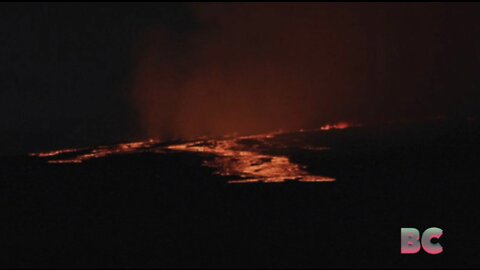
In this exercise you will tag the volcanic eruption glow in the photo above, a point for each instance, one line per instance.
(85, 154)
(54, 153)
(341, 125)
(234, 157)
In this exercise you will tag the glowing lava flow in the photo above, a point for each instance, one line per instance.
(341, 125)
(54, 153)
(230, 159)
(82, 155)
(238, 157)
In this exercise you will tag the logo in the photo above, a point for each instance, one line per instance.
(412, 241)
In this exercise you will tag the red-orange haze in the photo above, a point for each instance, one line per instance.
(251, 68)
(248, 69)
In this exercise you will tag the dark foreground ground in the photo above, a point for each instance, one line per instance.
(165, 210)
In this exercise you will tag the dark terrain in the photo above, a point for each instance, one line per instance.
(166, 210)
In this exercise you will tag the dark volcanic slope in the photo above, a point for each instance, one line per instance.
(159, 209)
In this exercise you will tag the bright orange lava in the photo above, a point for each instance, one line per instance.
(54, 153)
(341, 125)
(102, 151)
(230, 157)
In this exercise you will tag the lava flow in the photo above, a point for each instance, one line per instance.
(232, 159)
(245, 159)
(85, 154)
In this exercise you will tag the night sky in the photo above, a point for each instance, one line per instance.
(82, 74)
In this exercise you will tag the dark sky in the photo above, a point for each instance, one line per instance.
(67, 71)
(80, 74)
